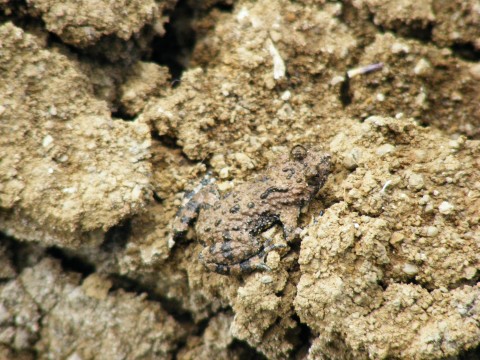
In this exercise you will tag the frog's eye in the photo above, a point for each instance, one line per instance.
(298, 153)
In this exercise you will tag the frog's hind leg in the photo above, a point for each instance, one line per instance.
(204, 195)
(268, 246)
(245, 267)
(256, 262)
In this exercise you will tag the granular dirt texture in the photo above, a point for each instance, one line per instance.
(47, 310)
(69, 171)
(83, 23)
(103, 140)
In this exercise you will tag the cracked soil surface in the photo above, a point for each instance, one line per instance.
(110, 111)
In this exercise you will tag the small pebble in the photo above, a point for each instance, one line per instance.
(422, 67)
(266, 279)
(410, 269)
(446, 208)
(224, 172)
(47, 140)
(429, 208)
(385, 149)
(286, 95)
(475, 71)
(225, 185)
(396, 237)
(470, 272)
(399, 48)
(416, 181)
(431, 231)
(424, 200)
(52, 110)
(454, 144)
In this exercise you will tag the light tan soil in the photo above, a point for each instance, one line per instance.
(387, 264)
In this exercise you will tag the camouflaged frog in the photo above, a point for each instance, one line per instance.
(229, 226)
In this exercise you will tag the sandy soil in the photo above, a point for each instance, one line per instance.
(110, 112)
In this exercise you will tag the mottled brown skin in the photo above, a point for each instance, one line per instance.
(229, 226)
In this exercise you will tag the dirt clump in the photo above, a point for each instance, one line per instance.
(69, 172)
(101, 144)
(84, 23)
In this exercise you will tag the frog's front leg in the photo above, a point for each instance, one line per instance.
(204, 195)
(289, 219)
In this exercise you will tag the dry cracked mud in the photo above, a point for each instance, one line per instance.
(110, 112)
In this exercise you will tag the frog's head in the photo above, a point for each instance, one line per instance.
(316, 163)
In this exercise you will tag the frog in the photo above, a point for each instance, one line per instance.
(229, 226)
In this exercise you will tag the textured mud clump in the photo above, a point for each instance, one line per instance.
(396, 288)
(101, 140)
(449, 22)
(48, 311)
(84, 23)
(417, 80)
(68, 171)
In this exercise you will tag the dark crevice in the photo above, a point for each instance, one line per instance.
(349, 11)
(466, 52)
(383, 284)
(175, 47)
(16, 12)
(54, 41)
(240, 348)
(245, 351)
(422, 33)
(202, 325)
(168, 141)
(346, 96)
(226, 7)
(122, 115)
(423, 123)
(345, 91)
(472, 354)
(294, 249)
(465, 282)
(71, 262)
(400, 280)
(116, 237)
(21, 254)
(157, 198)
(304, 335)
(337, 348)
(413, 31)
(172, 307)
